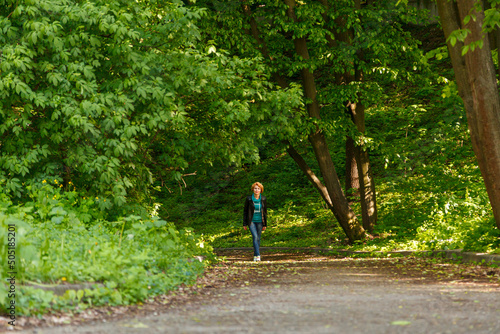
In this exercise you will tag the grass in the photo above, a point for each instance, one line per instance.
(58, 239)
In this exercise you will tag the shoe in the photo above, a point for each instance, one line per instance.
(256, 258)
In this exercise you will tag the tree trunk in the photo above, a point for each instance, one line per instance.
(476, 81)
(351, 171)
(366, 182)
(367, 194)
(343, 212)
(314, 180)
(309, 174)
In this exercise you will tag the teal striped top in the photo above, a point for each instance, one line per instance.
(257, 214)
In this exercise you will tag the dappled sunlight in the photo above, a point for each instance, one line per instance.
(131, 133)
(359, 274)
(384, 270)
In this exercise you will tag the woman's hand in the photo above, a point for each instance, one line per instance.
(245, 227)
(263, 228)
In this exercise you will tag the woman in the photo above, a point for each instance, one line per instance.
(255, 216)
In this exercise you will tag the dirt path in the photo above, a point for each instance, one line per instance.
(316, 294)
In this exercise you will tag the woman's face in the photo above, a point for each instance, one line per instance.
(256, 190)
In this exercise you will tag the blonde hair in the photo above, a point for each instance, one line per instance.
(258, 184)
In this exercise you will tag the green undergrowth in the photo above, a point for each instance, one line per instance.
(213, 206)
(416, 212)
(430, 193)
(61, 238)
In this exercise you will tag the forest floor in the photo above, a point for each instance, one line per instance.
(308, 293)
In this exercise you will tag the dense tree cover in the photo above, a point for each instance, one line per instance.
(109, 95)
(430, 188)
(338, 51)
(102, 100)
(98, 99)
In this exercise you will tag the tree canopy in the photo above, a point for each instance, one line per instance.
(110, 95)
(339, 52)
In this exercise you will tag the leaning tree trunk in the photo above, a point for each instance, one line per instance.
(331, 192)
(342, 211)
(367, 193)
(476, 81)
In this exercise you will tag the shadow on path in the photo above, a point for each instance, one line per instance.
(310, 293)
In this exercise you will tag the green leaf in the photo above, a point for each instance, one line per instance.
(401, 323)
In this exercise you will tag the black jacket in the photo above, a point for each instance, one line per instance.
(250, 208)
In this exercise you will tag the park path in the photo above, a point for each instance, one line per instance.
(316, 294)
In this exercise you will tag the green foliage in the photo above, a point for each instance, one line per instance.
(490, 22)
(338, 52)
(105, 103)
(111, 95)
(430, 191)
(127, 260)
(377, 48)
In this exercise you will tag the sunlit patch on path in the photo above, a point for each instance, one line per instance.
(296, 292)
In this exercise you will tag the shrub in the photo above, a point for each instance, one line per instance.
(61, 239)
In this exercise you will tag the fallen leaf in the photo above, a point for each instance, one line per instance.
(401, 323)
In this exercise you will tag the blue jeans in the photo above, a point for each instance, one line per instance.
(256, 229)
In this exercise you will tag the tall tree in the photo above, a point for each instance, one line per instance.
(359, 176)
(341, 208)
(465, 26)
(327, 47)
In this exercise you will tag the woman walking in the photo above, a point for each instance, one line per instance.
(255, 216)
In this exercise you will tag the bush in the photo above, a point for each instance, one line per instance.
(62, 237)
